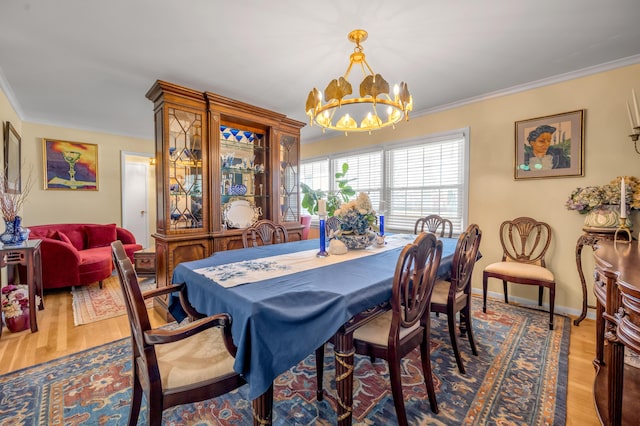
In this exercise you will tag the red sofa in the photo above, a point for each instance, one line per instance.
(79, 254)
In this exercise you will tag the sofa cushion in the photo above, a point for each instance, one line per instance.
(76, 237)
(61, 236)
(100, 235)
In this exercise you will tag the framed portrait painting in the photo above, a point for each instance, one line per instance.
(551, 146)
(70, 165)
(12, 160)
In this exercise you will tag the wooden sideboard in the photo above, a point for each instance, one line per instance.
(617, 289)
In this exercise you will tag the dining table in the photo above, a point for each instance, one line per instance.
(285, 302)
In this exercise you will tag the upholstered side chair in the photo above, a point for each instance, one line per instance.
(172, 367)
(525, 242)
(264, 232)
(434, 223)
(453, 296)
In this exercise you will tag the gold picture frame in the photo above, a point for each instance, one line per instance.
(12, 160)
(550, 146)
(70, 165)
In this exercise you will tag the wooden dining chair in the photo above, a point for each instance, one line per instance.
(174, 366)
(436, 224)
(525, 242)
(453, 296)
(264, 232)
(394, 334)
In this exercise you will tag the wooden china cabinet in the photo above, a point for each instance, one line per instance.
(221, 165)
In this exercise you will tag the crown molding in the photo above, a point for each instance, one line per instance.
(595, 69)
(8, 91)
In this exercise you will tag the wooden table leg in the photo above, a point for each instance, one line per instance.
(344, 352)
(33, 318)
(263, 408)
(582, 241)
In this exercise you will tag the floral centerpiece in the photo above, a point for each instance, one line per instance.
(601, 204)
(11, 202)
(357, 220)
(15, 307)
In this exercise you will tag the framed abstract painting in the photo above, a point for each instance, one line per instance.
(70, 165)
(551, 146)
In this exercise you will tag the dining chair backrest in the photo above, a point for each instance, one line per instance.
(525, 240)
(464, 259)
(136, 307)
(413, 281)
(436, 224)
(264, 232)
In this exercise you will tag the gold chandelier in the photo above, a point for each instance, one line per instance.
(374, 92)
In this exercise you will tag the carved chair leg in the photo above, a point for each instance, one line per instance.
(395, 376)
(136, 400)
(540, 289)
(425, 357)
(506, 295)
(100, 284)
(451, 319)
(484, 292)
(552, 298)
(465, 316)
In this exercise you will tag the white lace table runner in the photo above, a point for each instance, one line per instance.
(250, 271)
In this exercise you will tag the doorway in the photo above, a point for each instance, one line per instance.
(138, 194)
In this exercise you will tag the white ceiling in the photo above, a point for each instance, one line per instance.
(88, 64)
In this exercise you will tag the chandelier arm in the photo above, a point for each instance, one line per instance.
(368, 67)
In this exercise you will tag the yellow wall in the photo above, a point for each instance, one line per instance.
(68, 206)
(495, 195)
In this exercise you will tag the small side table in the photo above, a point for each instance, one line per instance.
(28, 255)
(145, 262)
(590, 237)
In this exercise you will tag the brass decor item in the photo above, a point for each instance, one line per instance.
(374, 92)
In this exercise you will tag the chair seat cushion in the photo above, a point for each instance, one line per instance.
(377, 330)
(440, 293)
(196, 359)
(521, 270)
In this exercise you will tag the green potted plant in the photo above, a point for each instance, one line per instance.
(334, 199)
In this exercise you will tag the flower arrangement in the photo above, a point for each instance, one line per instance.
(11, 201)
(585, 200)
(15, 299)
(357, 216)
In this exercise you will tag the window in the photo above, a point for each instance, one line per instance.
(415, 178)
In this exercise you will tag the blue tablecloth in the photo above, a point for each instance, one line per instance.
(278, 322)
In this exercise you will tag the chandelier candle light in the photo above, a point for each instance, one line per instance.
(374, 91)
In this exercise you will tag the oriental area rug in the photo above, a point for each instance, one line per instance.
(518, 378)
(92, 303)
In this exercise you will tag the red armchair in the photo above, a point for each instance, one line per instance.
(79, 254)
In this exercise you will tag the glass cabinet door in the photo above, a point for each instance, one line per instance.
(243, 185)
(185, 170)
(289, 179)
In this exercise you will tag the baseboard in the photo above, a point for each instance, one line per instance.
(534, 304)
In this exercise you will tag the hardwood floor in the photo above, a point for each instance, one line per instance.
(57, 336)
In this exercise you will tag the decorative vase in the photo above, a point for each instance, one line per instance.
(19, 323)
(358, 241)
(13, 233)
(607, 216)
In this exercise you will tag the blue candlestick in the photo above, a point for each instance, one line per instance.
(323, 250)
(381, 225)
